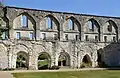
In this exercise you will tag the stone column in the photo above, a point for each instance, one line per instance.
(37, 30)
(11, 30)
(61, 28)
(32, 60)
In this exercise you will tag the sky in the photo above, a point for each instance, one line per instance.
(92, 7)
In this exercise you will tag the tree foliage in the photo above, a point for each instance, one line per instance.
(1, 3)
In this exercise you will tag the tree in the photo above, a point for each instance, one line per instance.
(1, 3)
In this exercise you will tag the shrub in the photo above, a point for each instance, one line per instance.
(85, 65)
(54, 67)
(8, 69)
(43, 67)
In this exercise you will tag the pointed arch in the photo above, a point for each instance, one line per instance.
(86, 61)
(26, 18)
(52, 20)
(64, 59)
(93, 25)
(110, 28)
(112, 23)
(23, 21)
(74, 24)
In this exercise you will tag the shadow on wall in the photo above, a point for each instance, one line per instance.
(109, 56)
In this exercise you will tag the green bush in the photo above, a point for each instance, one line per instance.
(54, 67)
(8, 69)
(43, 67)
(85, 65)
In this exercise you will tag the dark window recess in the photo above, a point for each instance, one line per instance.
(77, 37)
(109, 28)
(105, 38)
(86, 38)
(55, 37)
(44, 36)
(96, 38)
(66, 36)
(114, 39)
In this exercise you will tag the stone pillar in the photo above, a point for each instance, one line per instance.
(37, 30)
(32, 61)
(78, 60)
(11, 31)
(56, 59)
(101, 34)
(61, 29)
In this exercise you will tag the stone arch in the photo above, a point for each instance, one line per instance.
(27, 20)
(75, 23)
(44, 60)
(64, 59)
(18, 47)
(111, 22)
(110, 28)
(86, 61)
(22, 60)
(92, 26)
(55, 23)
(15, 50)
(50, 20)
(30, 19)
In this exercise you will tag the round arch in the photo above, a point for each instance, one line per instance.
(44, 60)
(64, 59)
(22, 60)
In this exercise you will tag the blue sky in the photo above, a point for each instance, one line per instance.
(94, 7)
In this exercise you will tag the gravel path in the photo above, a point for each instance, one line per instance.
(4, 74)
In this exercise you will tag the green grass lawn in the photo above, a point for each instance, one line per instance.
(73, 74)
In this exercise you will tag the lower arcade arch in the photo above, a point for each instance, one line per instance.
(86, 61)
(22, 61)
(64, 59)
(44, 61)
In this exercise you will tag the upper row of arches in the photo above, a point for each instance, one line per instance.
(49, 22)
(71, 23)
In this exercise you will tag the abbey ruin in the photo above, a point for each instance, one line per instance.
(67, 39)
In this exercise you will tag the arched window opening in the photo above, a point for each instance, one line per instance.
(24, 21)
(49, 22)
(71, 24)
(93, 25)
